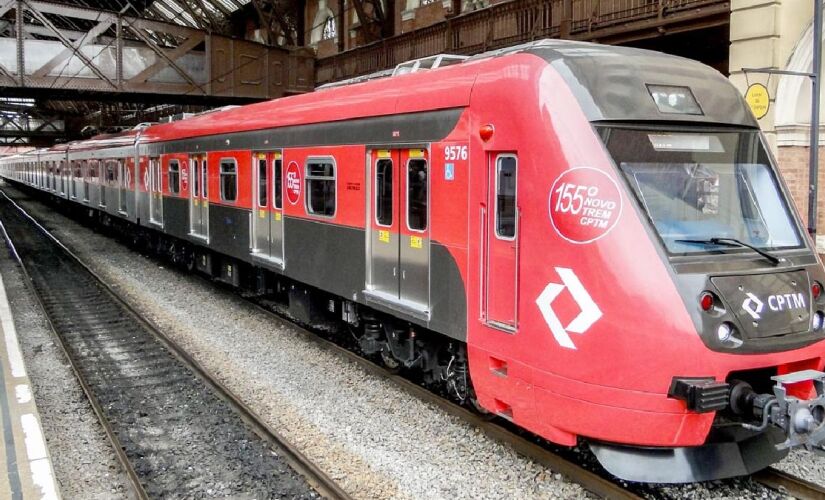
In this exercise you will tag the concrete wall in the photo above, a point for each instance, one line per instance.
(777, 34)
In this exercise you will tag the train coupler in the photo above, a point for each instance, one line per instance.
(801, 420)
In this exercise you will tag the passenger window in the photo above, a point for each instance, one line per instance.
(506, 197)
(320, 187)
(277, 187)
(383, 192)
(174, 176)
(417, 194)
(263, 190)
(229, 180)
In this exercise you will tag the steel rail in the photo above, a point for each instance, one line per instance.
(797, 487)
(316, 478)
(117, 446)
(590, 481)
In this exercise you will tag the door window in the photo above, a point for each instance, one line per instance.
(383, 192)
(505, 209)
(196, 178)
(417, 194)
(205, 180)
(276, 182)
(174, 176)
(263, 190)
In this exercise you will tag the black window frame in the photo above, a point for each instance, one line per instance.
(408, 196)
(278, 182)
(497, 208)
(262, 182)
(173, 176)
(224, 162)
(309, 179)
(380, 203)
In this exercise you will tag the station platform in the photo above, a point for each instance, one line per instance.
(25, 466)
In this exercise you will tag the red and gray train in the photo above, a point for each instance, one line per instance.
(592, 242)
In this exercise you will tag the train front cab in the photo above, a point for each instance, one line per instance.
(644, 186)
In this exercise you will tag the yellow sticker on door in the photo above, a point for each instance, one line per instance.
(416, 242)
(277, 215)
(261, 213)
(383, 236)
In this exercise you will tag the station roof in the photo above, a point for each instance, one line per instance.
(191, 13)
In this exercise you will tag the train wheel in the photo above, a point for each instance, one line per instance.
(189, 259)
(476, 406)
(389, 360)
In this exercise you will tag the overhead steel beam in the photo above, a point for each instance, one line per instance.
(88, 38)
(169, 57)
(126, 55)
(76, 52)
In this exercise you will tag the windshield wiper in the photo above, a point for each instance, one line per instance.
(733, 242)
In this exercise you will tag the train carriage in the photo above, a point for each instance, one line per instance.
(589, 241)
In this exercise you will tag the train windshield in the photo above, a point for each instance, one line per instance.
(697, 186)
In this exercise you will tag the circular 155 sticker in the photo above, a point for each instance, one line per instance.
(293, 182)
(585, 204)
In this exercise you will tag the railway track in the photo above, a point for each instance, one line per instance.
(175, 429)
(591, 481)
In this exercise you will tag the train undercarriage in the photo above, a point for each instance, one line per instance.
(432, 359)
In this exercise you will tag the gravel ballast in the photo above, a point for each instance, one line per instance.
(371, 436)
(85, 465)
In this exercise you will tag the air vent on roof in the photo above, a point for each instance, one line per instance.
(424, 63)
(429, 62)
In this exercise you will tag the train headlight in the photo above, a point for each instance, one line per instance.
(818, 321)
(727, 335)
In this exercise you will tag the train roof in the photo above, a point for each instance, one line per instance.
(611, 83)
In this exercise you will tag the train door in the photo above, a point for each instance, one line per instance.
(62, 173)
(195, 196)
(155, 192)
(204, 205)
(399, 236)
(385, 223)
(123, 185)
(415, 229)
(198, 199)
(267, 218)
(501, 225)
(85, 174)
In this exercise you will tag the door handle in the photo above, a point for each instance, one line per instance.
(404, 274)
(394, 272)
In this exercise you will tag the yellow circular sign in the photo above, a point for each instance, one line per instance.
(758, 99)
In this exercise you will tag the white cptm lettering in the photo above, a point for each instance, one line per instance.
(786, 301)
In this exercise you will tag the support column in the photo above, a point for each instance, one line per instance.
(21, 48)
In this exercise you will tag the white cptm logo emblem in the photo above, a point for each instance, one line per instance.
(779, 302)
(753, 306)
(590, 312)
